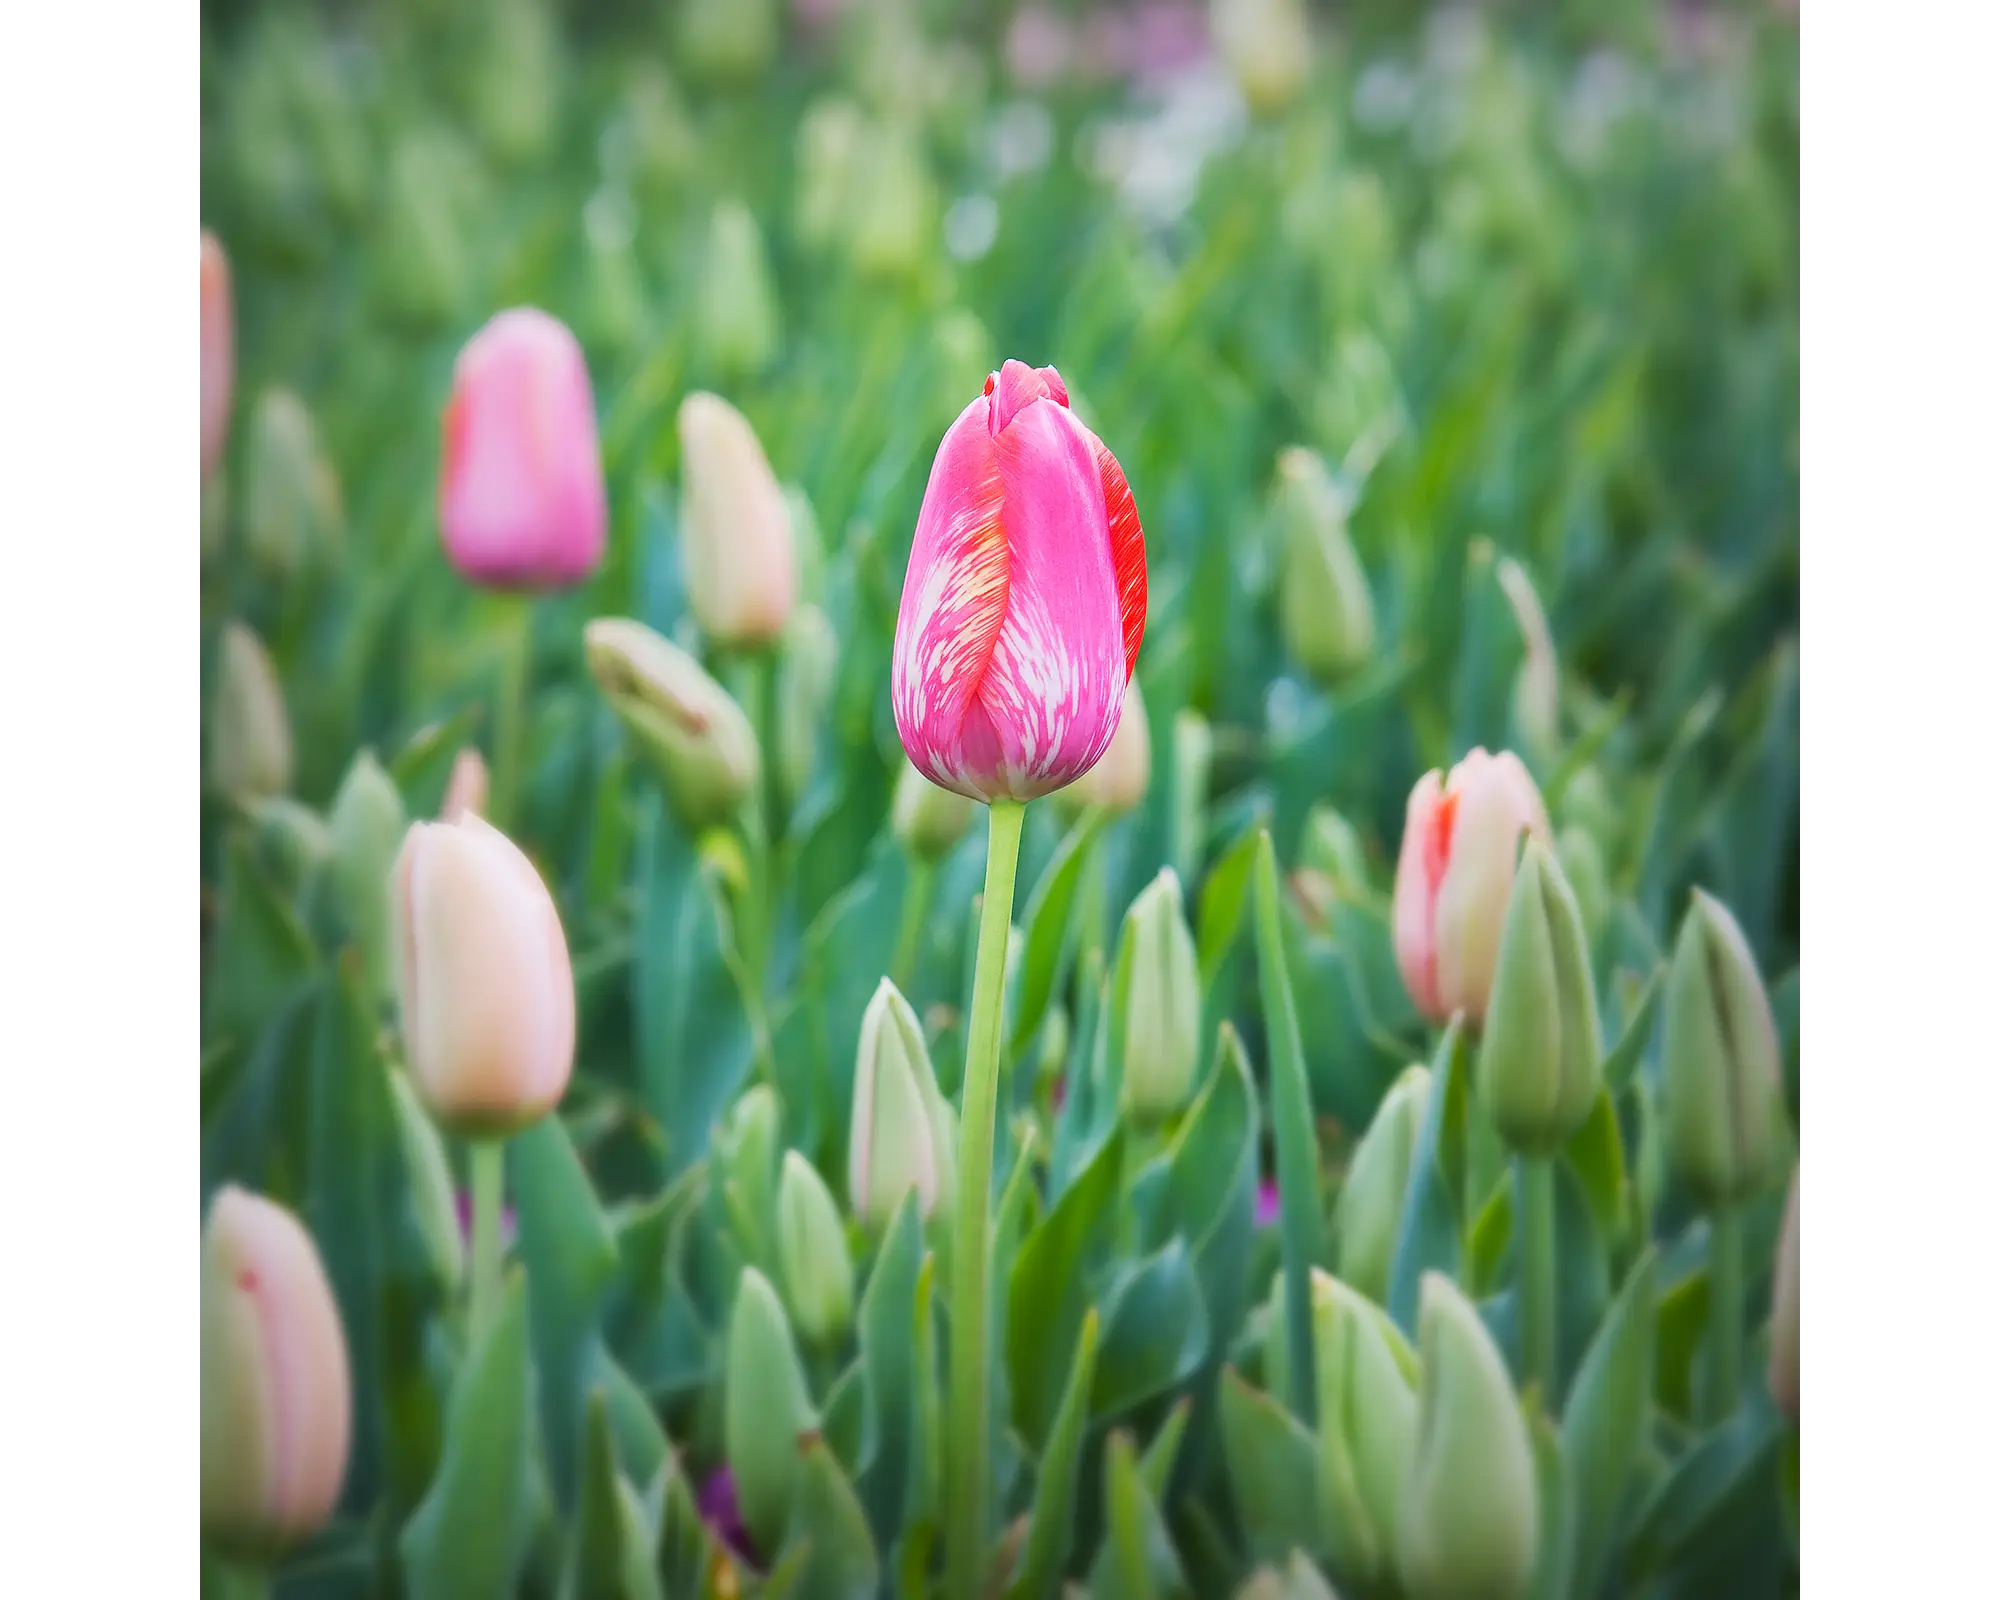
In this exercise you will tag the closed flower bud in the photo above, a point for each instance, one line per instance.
(249, 738)
(275, 1398)
(1784, 1374)
(466, 789)
(812, 1254)
(1721, 1085)
(1324, 607)
(1367, 1427)
(903, 1134)
(1025, 598)
(521, 497)
(292, 840)
(1163, 1004)
(1300, 1580)
(218, 352)
(291, 498)
(1118, 782)
(1371, 1201)
(806, 677)
(1331, 847)
(1460, 838)
(684, 720)
(1541, 1055)
(766, 1407)
(367, 828)
(896, 205)
(1535, 687)
(1582, 862)
(489, 1005)
(725, 42)
(1467, 1526)
(1266, 46)
(736, 529)
(930, 821)
(736, 319)
(831, 135)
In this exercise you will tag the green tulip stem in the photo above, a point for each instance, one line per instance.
(965, 1434)
(240, 1580)
(1537, 1179)
(487, 1160)
(916, 905)
(510, 717)
(1725, 1314)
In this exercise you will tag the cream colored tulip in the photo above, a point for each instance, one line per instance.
(736, 530)
(1123, 773)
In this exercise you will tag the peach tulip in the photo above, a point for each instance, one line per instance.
(218, 352)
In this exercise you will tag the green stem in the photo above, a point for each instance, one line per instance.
(487, 1159)
(965, 1435)
(1537, 1191)
(916, 904)
(238, 1580)
(1725, 1314)
(510, 717)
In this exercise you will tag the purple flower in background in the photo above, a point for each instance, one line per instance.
(1267, 1202)
(718, 1507)
(465, 1222)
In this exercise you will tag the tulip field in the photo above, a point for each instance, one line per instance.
(999, 800)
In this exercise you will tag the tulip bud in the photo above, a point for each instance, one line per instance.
(489, 1005)
(766, 1407)
(1025, 598)
(684, 720)
(1371, 1200)
(928, 820)
(1119, 780)
(291, 498)
(743, 1154)
(218, 352)
(521, 497)
(811, 658)
(465, 790)
(515, 81)
(1460, 838)
(1582, 863)
(1324, 606)
(831, 134)
(1535, 687)
(736, 317)
(896, 205)
(367, 828)
(812, 1254)
(1331, 847)
(292, 840)
(1541, 1056)
(1266, 46)
(1784, 1374)
(275, 1401)
(736, 530)
(903, 1134)
(725, 42)
(1300, 1580)
(1722, 1088)
(1367, 1427)
(432, 1197)
(249, 740)
(1467, 1525)
(1163, 1004)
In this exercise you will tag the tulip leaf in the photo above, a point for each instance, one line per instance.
(844, 1419)
(767, 1410)
(470, 1536)
(885, 1326)
(682, 1543)
(851, 944)
(828, 1525)
(1052, 1518)
(262, 952)
(1137, 1560)
(1049, 923)
(1709, 1501)
(926, 1432)
(422, 768)
(1683, 1319)
(1486, 1242)
(1156, 1466)
(650, 1320)
(1428, 1239)
(1155, 1331)
(1273, 1466)
(1607, 1416)
(1225, 897)
(1595, 1156)
(1625, 1055)
(1075, 1115)
(611, 1546)
(1556, 1483)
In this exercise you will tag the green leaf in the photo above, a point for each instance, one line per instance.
(1428, 1239)
(1725, 1479)
(1047, 922)
(827, 1523)
(888, 1365)
(1156, 1331)
(844, 1419)
(611, 1547)
(636, 1433)
(1156, 1466)
(469, 1537)
(262, 952)
(1052, 1519)
(1682, 1321)
(766, 1409)
(850, 945)
(1138, 1560)
(1556, 1479)
(1625, 1055)
(1225, 896)
(650, 1319)
(1595, 1156)
(683, 1544)
(1607, 1417)
(1273, 1466)
(927, 1437)
(1486, 1242)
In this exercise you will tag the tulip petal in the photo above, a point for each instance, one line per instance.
(1128, 551)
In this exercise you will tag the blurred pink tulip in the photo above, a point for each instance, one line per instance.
(521, 498)
(1025, 599)
(1460, 839)
(465, 790)
(218, 352)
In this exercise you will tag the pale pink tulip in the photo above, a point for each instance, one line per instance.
(218, 352)
(521, 496)
(466, 789)
(1025, 599)
(1460, 840)
(489, 1003)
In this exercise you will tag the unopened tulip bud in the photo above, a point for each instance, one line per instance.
(1582, 862)
(218, 352)
(930, 821)
(489, 1004)
(1461, 835)
(806, 679)
(1300, 1580)
(275, 1399)
(1330, 846)
(367, 828)
(1119, 780)
(1324, 607)
(688, 726)
(766, 1407)
(831, 134)
(249, 738)
(896, 205)
(1536, 687)
(466, 789)
(1784, 1374)
(1025, 598)
(812, 1254)
(1266, 46)
(291, 498)
(903, 1134)
(1163, 1004)
(1721, 1083)
(743, 1153)
(725, 42)
(1367, 1427)
(736, 320)
(1467, 1525)
(736, 529)
(1541, 1054)
(521, 499)
(1371, 1201)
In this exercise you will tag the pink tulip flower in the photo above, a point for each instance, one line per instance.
(1025, 599)
(521, 497)
(218, 352)
(1461, 837)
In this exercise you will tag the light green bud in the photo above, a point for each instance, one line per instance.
(810, 660)
(1367, 1377)
(1300, 1580)
(366, 825)
(292, 515)
(1582, 862)
(765, 1408)
(249, 738)
(812, 1254)
(746, 1145)
(1332, 847)
(1536, 708)
(1162, 1004)
(1324, 607)
(903, 1134)
(737, 311)
(725, 41)
(1371, 1201)
(928, 820)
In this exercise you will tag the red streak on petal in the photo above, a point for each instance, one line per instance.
(1128, 552)
(246, 1280)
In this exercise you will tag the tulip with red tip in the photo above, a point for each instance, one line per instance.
(1025, 599)
(521, 500)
